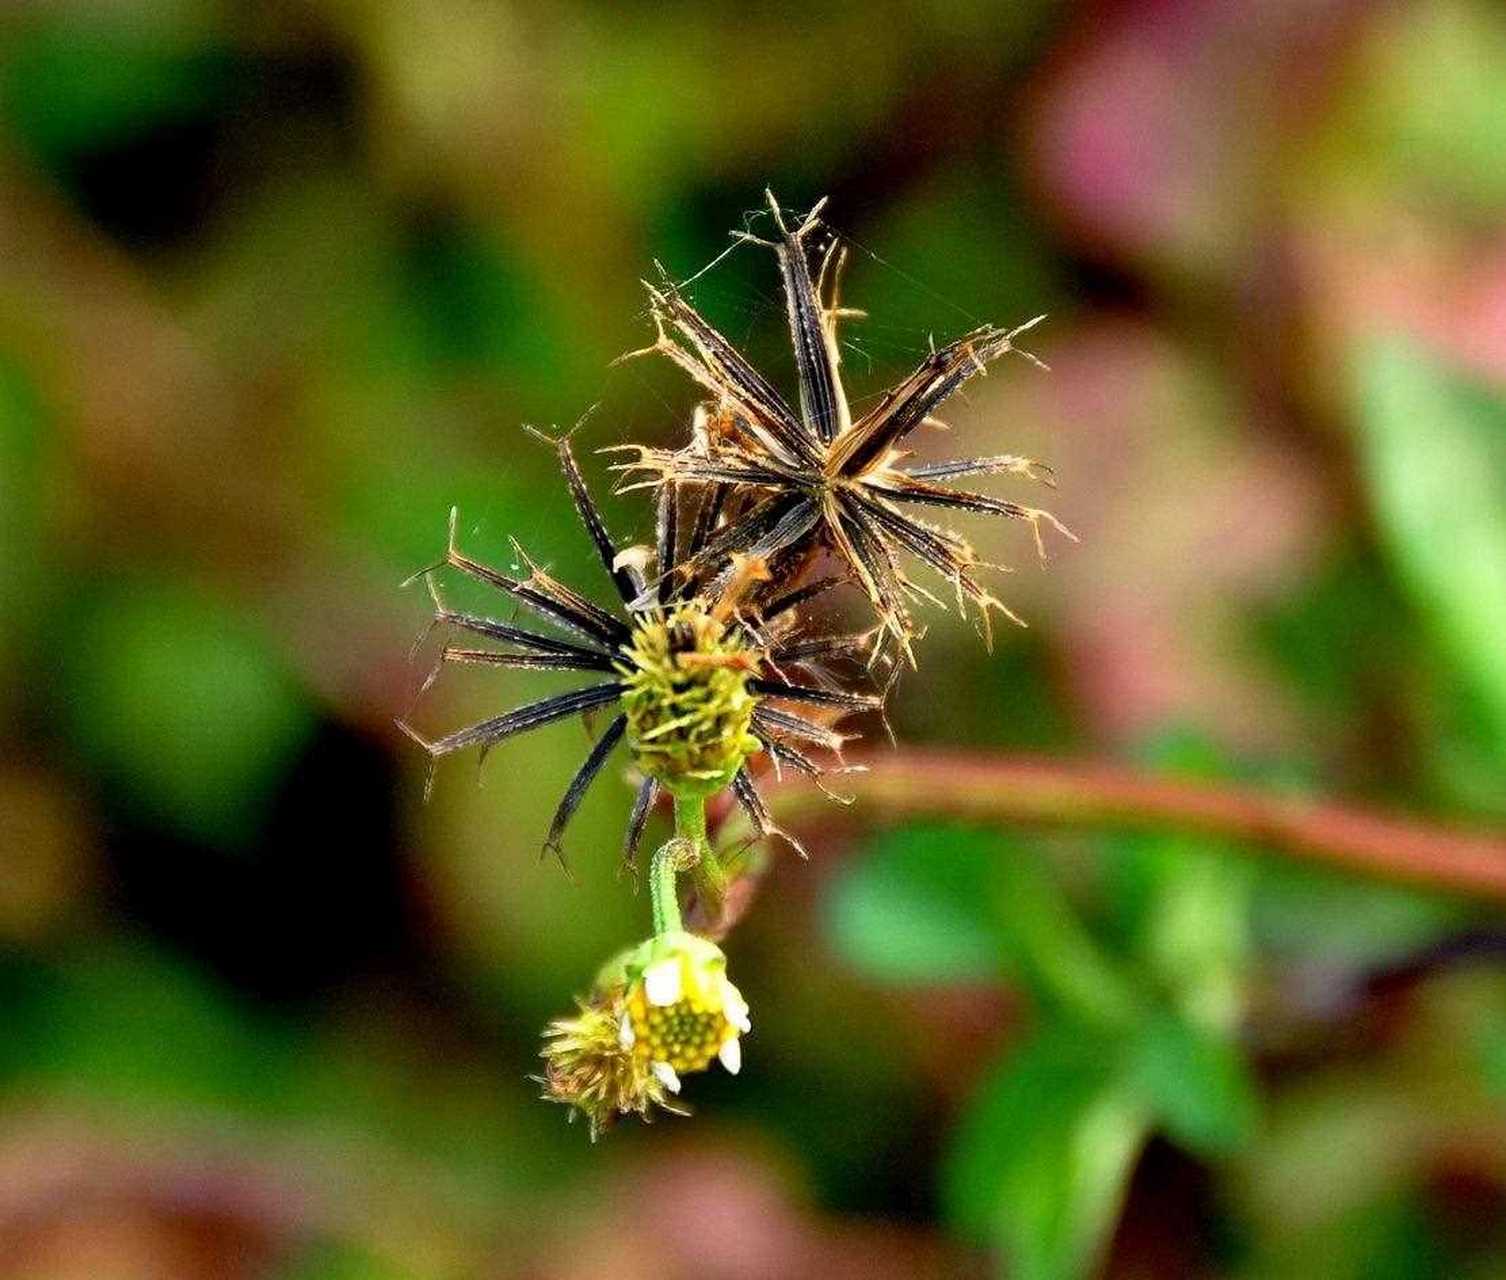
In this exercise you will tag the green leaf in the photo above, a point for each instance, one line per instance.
(1183, 902)
(1430, 112)
(1394, 1236)
(1047, 947)
(1191, 931)
(130, 1024)
(1433, 452)
(24, 468)
(1040, 1163)
(69, 85)
(1198, 1084)
(1311, 916)
(1331, 635)
(333, 1259)
(917, 908)
(957, 904)
(1492, 1057)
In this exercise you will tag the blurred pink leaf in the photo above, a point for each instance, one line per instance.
(1187, 515)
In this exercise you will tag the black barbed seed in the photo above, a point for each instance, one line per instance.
(718, 641)
(821, 476)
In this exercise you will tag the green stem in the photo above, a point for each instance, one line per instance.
(690, 821)
(689, 850)
(707, 873)
(665, 897)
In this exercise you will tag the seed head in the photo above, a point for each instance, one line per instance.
(686, 695)
(587, 1068)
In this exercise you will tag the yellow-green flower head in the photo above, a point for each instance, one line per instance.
(687, 699)
(662, 1009)
(680, 1010)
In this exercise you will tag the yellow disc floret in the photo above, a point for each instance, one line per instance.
(688, 704)
(686, 1034)
(680, 1009)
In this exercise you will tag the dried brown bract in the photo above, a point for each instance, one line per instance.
(782, 483)
(700, 684)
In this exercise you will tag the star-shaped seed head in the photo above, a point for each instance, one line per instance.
(818, 475)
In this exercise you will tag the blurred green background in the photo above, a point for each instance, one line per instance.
(278, 285)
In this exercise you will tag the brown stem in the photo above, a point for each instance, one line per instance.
(976, 788)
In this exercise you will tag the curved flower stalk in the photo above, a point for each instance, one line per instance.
(699, 688)
(818, 475)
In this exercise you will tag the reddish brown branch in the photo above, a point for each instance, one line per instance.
(974, 788)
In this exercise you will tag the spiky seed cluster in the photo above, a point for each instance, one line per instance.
(687, 699)
(725, 664)
(588, 1069)
(820, 476)
(761, 487)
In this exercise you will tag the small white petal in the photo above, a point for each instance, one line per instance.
(625, 1036)
(661, 982)
(667, 1076)
(731, 1055)
(735, 1008)
(634, 557)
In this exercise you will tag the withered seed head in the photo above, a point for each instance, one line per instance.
(819, 475)
(588, 1069)
(696, 685)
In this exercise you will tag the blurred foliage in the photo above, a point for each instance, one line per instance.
(1440, 498)
(1138, 1019)
(23, 450)
(179, 703)
(278, 286)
